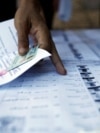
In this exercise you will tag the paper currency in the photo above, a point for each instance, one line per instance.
(19, 60)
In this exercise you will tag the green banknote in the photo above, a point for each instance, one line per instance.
(19, 60)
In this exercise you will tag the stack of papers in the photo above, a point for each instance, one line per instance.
(40, 100)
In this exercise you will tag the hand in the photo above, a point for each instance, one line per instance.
(29, 19)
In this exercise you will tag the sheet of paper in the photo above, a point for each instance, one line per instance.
(42, 101)
(72, 47)
(94, 34)
(8, 37)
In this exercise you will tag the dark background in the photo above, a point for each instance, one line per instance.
(8, 9)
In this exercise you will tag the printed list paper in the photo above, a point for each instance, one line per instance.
(42, 101)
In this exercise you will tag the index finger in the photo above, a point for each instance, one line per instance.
(56, 60)
(44, 40)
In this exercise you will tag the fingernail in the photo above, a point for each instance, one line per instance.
(61, 70)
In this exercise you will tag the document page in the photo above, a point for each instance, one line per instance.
(42, 101)
(9, 51)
